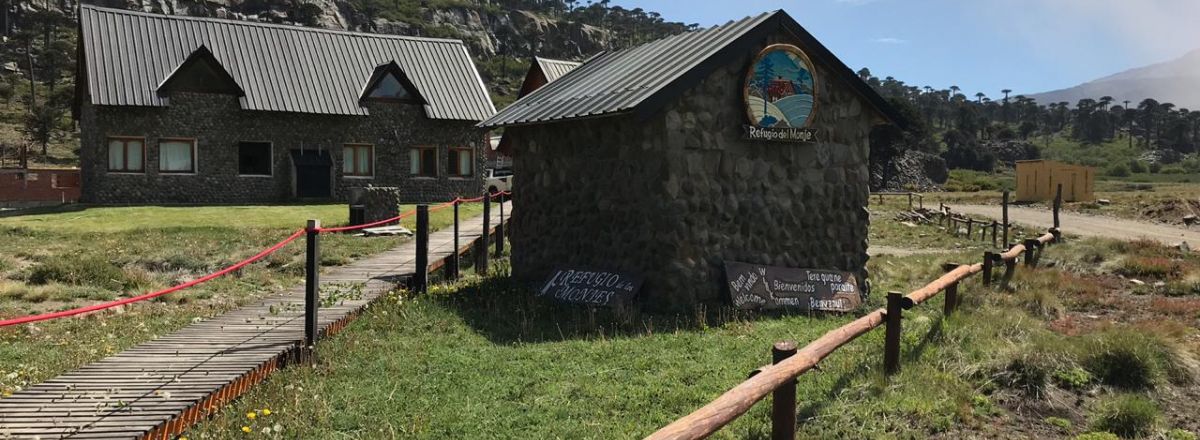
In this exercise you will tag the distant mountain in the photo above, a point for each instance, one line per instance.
(1176, 81)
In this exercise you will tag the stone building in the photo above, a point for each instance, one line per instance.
(670, 159)
(541, 71)
(195, 110)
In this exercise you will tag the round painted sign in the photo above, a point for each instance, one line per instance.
(780, 88)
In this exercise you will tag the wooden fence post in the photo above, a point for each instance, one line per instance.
(970, 224)
(1031, 246)
(452, 268)
(481, 253)
(1057, 233)
(952, 299)
(421, 277)
(994, 227)
(312, 269)
(896, 303)
(1057, 204)
(500, 229)
(910, 197)
(987, 267)
(1010, 269)
(920, 201)
(1004, 216)
(783, 399)
(982, 231)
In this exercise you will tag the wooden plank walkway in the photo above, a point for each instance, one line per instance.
(159, 388)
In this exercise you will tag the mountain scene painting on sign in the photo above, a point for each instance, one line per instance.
(779, 92)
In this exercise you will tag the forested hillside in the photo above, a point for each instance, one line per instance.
(38, 53)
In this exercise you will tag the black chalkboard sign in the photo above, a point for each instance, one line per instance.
(753, 286)
(591, 287)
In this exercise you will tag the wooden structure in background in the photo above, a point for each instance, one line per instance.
(1037, 181)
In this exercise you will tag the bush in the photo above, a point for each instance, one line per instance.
(1128, 359)
(1154, 267)
(1118, 170)
(1179, 434)
(1126, 415)
(1136, 166)
(79, 271)
(1097, 436)
(1155, 167)
(1173, 170)
(1073, 379)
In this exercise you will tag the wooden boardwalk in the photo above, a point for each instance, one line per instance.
(159, 388)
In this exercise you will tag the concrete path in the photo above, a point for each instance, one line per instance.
(1088, 225)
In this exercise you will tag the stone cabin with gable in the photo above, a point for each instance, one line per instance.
(198, 110)
(670, 159)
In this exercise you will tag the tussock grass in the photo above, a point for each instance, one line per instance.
(1126, 415)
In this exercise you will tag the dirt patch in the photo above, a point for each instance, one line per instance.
(1169, 211)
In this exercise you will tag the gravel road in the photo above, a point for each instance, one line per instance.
(1088, 225)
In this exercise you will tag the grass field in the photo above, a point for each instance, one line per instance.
(74, 257)
(1069, 350)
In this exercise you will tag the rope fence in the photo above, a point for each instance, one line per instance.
(310, 231)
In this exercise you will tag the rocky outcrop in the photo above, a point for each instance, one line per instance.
(911, 171)
(1009, 152)
(1162, 157)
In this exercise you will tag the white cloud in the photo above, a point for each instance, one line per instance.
(890, 40)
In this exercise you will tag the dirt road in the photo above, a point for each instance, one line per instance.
(1088, 225)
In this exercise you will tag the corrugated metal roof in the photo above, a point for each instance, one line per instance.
(555, 69)
(281, 68)
(645, 76)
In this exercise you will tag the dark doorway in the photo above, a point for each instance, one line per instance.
(312, 174)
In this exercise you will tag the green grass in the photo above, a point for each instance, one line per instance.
(1126, 416)
(486, 359)
(62, 260)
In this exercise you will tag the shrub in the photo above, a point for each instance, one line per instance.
(1097, 436)
(1058, 422)
(1136, 166)
(1126, 415)
(1117, 170)
(1173, 170)
(79, 271)
(1129, 359)
(1074, 378)
(1155, 267)
(1155, 167)
(1179, 434)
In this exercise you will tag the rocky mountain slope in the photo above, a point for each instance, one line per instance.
(1176, 81)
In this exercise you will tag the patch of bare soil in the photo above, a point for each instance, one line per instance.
(1172, 212)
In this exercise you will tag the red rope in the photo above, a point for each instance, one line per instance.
(368, 225)
(109, 305)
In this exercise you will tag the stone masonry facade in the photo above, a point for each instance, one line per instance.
(673, 196)
(218, 124)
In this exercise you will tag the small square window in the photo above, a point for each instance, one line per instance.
(254, 159)
(461, 162)
(177, 156)
(358, 160)
(126, 155)
(423, 162)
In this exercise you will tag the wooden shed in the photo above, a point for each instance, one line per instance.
(1037, 180)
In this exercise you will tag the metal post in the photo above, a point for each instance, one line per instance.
(1057, 204)
(783, 399)
(312, 281)
(481, 253)
(1004, 216)
(891, 340)
(500, 229)
(1030, 252)
(987, 267)
(421, 277)
(452, 263)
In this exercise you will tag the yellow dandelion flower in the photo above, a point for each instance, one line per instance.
(246, 429)
(251, 415)
(266, 412)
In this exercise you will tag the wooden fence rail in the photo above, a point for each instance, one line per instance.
(780, 377)
(920, 198)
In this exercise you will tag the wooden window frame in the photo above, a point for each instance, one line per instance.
(124, 154)
(370, 161)
(195, 156)
(437, 159)
(270, 158)
(455, 175)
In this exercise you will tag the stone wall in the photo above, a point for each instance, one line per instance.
(218, 123)
(674, 196)
(380, 203)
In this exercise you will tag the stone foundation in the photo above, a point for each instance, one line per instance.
(380, 203)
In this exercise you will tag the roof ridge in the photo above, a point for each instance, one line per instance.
(231, 22)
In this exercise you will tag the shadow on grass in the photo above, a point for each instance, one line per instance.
(507, 311)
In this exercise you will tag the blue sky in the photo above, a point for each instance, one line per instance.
(984, 46)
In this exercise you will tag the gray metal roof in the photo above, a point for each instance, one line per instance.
(281, 68)
(644, 77)
(555, 69)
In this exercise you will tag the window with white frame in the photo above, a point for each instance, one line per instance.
(126, 155)
(177, 156)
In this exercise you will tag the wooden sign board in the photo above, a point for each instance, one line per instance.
(753, 286)
(591, 287)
